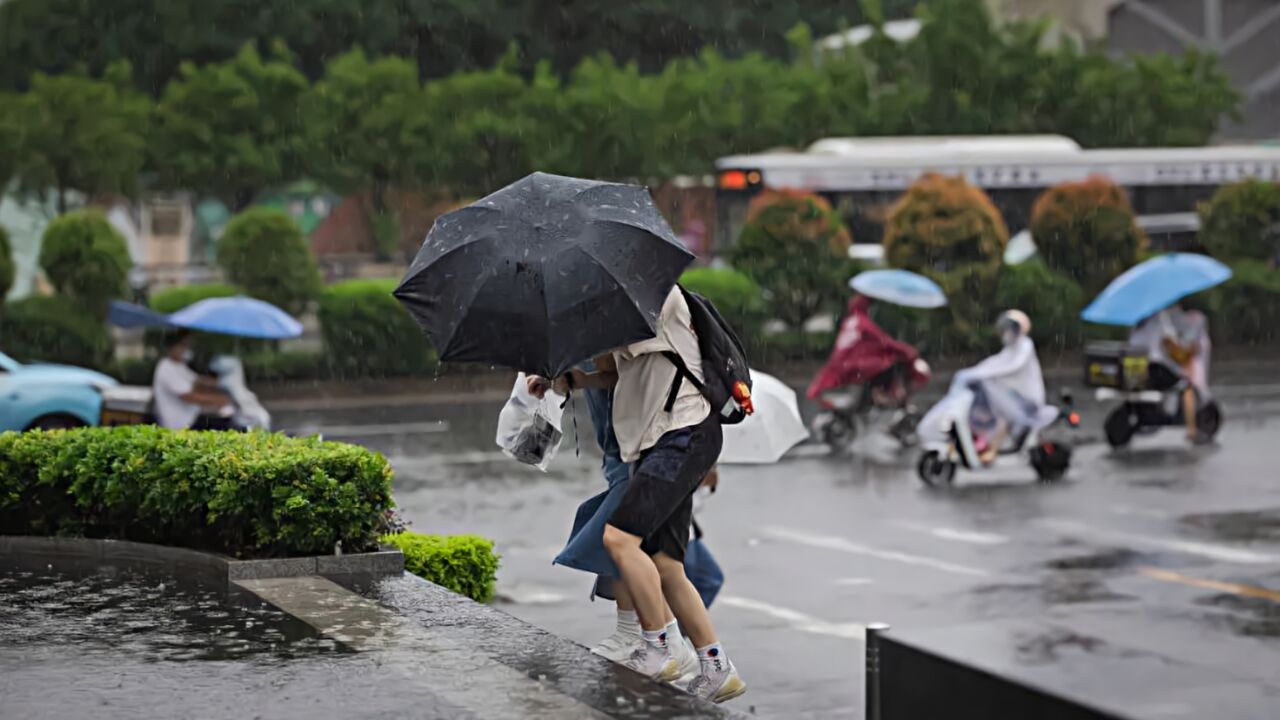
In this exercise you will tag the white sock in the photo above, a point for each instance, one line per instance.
(655, 637)
(628, 622)
(708, 652)
(673, 632)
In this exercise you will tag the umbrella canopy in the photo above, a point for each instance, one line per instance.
(239, 316)
(1149, 287)
(129, 315)
(544, 274)
(900, 287)
(767, 435)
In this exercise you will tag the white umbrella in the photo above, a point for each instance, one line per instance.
(767, 435)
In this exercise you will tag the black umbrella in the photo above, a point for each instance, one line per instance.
(544, 274)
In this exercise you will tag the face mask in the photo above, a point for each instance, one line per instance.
(188, 355)
(1008, 337)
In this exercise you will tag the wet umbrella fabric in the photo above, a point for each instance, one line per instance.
(544, 274)
(1149, 287)
(238, 316)
(900, 287)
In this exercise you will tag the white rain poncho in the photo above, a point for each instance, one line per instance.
(1012, 385)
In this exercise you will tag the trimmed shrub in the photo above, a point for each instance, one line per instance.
(51, 329)
(796, 248)
(6, 265)
(465, 564)
(278, 366)
(735, 295)
(86, 260)
(1087, 231)
(367, 333)
(1052, 301)
(1246, 309)
(263, 251)
(243, 494)
(177, 298)
(1242, 221)
(949, 230)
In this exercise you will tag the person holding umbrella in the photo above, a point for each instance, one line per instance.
(673, 447)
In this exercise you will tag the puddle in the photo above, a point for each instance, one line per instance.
(1249, 526)
(1109, 559)
(1248, 616)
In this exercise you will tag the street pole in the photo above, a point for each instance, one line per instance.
(872, 691)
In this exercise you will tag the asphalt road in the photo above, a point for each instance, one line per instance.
(1163, 546)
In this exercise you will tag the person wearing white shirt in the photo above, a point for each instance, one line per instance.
(181, 395)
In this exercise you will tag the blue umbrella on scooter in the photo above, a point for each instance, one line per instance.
(1149, 287)
(900, 287)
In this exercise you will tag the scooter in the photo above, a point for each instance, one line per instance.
(842, 414)
(248, 414)
(1118, 372)
(948, 443)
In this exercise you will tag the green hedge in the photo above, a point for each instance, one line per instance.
(368, 334)
(465, 564)
(1239, 221)
(50, 329)
(1052, 300)
(177, 298)
(1246, 309)
(243, 494)
(736, 296)
(263, 251)
(85, 259)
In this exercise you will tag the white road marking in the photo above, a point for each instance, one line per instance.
(842, 545)
(1208, 550)
(1145, 512)
(796, 619)
(965, 536)
(852, 581)
(354, 431)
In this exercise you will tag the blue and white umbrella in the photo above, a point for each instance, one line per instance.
(239, 316)
(900, 287)
(1147, 288)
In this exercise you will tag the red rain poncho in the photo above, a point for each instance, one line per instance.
(863, 350)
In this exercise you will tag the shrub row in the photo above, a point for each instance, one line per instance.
(253, 494)
(368, 334)
(465, 564)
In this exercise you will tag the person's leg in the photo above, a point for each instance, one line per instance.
(1189, 412)
(639, 577)
(684, 600)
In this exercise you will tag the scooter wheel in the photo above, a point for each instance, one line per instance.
(1120, 427)
(1051, 460)
(834, 430)
(935, 470)
(1209, 420)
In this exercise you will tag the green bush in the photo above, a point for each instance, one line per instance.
(243, 494)
(1052, 301)
(1246, 309)
(1087, 232)
(263, 251)
(51, 329)
(796, 248)
(177, 298)
(6, 265)
(949, 230)
(367, 333)
(465, 564)
(792, 345)
(278, 366)
(735, 295)
(1242, 221)
(86, 260)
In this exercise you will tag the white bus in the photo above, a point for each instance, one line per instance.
(861, 177)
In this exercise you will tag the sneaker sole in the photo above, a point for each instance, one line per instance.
(732, 688)
(669, 672)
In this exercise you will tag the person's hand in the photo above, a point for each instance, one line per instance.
(561, 385)
(537, 385)
(712, 479)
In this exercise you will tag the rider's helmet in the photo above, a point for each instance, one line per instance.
(1012, 324)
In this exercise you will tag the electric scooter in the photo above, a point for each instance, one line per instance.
(843, 413)
(948, 443)
(1117, 372)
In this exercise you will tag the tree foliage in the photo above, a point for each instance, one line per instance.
(795, 247)
(86, 260)
(1242, 221)
(263, 251)
(1087, 231)
(6, 265)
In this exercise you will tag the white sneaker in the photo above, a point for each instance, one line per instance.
(686, 660)
(618, 646)
(718, 680)
(653, 661)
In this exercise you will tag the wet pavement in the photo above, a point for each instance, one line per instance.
(1167, 549)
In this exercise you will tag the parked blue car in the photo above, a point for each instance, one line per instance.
(49, 396)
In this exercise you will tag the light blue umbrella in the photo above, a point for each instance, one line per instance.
(239, 316)
(1147, 288)
(900, 287)
(129, 315)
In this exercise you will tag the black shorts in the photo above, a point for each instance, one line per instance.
(658, 504)
(1161, 377)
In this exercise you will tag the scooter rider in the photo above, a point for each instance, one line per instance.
(1009, 384)
(1177, 342)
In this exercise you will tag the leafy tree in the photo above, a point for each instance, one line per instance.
(74, 132)
(1051, 299)
(1087, 231)
(85, 260)
(796, 248)
(1242, 221)
(367, 132)
(232, 128)
(263, 251)
(6, 265)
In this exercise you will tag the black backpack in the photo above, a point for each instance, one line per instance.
(724, 364)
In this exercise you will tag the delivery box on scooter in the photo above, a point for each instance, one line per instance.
(1115, 365)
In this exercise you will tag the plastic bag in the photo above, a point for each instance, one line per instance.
(528, 428)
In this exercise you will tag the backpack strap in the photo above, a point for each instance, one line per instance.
(682, 374)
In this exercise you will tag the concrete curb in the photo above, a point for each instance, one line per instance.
(212, 566)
